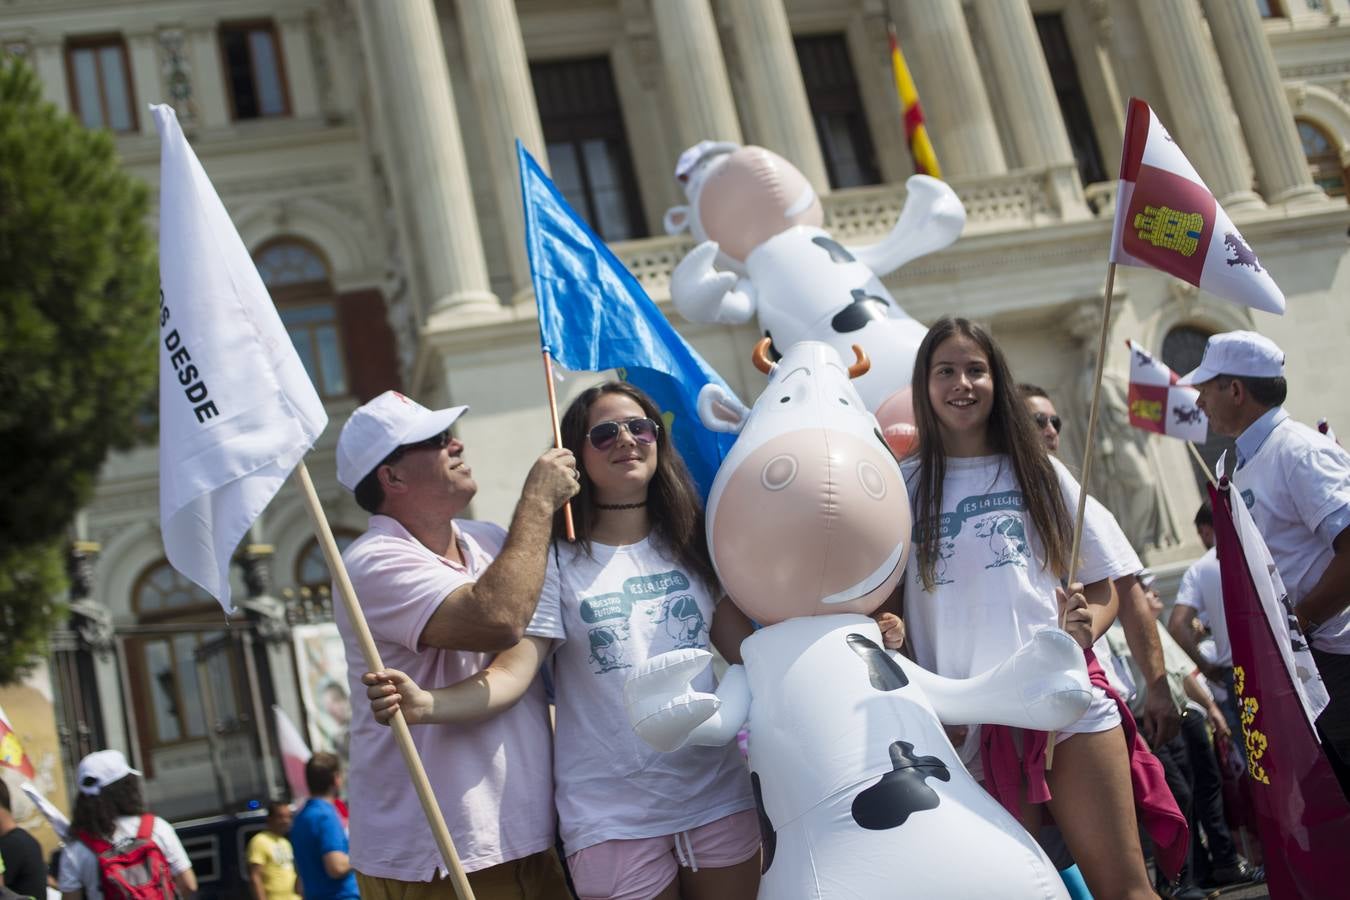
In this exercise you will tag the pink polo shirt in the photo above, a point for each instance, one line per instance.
(494, 779)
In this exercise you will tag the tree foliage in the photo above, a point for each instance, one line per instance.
(78, 294)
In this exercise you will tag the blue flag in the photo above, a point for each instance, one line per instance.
(593, 315)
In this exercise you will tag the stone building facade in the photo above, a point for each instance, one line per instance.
(364, 149)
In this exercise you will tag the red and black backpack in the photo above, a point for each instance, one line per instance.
(135, 869)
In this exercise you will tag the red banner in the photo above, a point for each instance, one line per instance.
(1304, 817)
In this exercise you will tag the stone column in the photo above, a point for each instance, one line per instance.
(780, 116)
(495, 52)
(426, 156)
(936, 42)
(695, 72)
(208, 88)
(147, 87)
(298, 57)
(49, 62)
(1026, 91)
(1262, 107)
(1203, 120)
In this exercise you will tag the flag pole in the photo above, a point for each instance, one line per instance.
(1190, 445)
(402, 735)
(1087, 458)
(557, 438)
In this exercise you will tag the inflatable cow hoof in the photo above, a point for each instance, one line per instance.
(661, 702)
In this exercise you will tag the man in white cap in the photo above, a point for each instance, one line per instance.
(441, 595)
(1296, 482)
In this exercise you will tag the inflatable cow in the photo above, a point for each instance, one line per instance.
(763, 251)
(860, 792)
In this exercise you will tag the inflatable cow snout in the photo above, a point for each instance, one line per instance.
(860, 792)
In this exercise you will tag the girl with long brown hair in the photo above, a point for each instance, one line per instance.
(992, 538)
(638, 581)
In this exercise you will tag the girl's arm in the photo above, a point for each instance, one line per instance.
(480, 696)
(729, 627)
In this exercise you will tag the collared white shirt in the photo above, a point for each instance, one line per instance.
(1296, 482)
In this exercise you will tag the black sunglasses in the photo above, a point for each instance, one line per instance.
(1042, 419)
(642, 430)
(435, 442)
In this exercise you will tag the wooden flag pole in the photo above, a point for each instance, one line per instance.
(402, 735)
(1087, 458)
(1201, 460)
(557, 438)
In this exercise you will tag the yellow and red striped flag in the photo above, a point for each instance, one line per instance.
(920, 147)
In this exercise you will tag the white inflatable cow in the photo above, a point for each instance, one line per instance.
(860, 792)
(764, 252)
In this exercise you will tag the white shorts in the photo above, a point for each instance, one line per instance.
(1102, 714)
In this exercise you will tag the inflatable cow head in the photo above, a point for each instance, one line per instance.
(808, 514)
(764, 253)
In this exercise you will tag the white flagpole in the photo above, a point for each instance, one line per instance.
(402, 735)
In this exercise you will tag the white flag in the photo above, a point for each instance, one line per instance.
(294, 753)
(236, 409)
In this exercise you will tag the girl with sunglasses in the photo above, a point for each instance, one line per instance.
(992, 538)
(636, 823)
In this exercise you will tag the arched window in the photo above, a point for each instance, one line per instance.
(163, 660)
(311, 569)
(1182, 350)
(1324, 158)
(298, 279)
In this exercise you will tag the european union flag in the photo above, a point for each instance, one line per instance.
(593, 315)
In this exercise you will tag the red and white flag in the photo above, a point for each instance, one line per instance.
(12, 755)
(1167, 219)
(1304, 818)
(294, 753)
(1158, 404)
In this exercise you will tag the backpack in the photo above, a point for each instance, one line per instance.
(133, 870)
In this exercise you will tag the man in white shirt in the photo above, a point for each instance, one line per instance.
(1296, 482)
(1200, 600)
(1159, 718)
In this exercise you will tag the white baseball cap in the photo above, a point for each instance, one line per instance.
(1243, 353)
(382, 426)
(100, 769)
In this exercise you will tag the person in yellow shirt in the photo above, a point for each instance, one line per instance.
(271, 861)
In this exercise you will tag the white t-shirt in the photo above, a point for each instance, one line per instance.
(992, 592)
(1202, 590)
(79, 864)
(493, 779)
(609, 613)
(1292, 484)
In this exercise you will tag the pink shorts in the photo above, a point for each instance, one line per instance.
(640, 869)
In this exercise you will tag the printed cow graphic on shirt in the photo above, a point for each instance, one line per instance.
(663, 599)
(996, 517)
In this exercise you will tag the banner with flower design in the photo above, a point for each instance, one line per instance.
(1304, 817)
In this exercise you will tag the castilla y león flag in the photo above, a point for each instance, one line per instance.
(1304, 818)
(1158, 404)
(1167, 219)
(12, 755)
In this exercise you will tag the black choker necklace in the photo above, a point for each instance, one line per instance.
(621, 505)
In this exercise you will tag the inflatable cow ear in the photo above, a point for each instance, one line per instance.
(721, 411)
(676, 220)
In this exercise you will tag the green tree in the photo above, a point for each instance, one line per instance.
(78, 296)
